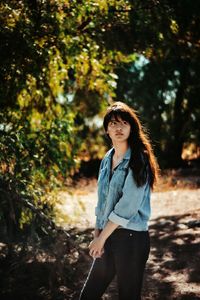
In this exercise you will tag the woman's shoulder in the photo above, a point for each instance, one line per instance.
(108, 153)
(106, 158)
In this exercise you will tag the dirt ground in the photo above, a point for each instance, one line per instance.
(55, 269)
(172, 271)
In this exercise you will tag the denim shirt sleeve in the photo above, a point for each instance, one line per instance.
(129, 203)
(97, 223)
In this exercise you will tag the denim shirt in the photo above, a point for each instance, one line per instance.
(119, 198)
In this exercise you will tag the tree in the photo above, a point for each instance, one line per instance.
(55, 72)
(165, 87)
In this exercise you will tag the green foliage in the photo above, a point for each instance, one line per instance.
(55, 72)
(162, 84)
(35, 158)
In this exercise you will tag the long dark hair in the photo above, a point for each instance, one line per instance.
(142, 161)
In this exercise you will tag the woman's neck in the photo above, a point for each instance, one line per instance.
(120, 149)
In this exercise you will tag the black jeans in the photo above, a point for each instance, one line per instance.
(126, 253)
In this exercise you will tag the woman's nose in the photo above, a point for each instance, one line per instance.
(119, 126)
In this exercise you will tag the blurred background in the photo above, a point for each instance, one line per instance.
(62, 63)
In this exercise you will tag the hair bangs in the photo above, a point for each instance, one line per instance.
(117, 114)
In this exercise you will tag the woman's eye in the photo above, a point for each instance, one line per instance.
(125, 123)
(112, 123)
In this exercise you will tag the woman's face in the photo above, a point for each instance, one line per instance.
(118, 130)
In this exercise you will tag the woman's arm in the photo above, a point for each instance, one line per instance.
(96, 246)
(96, 232)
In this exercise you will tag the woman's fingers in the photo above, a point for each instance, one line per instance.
(90, 245)
(95, 248)
(96, 254)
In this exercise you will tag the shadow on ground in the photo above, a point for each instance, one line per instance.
(55, 268)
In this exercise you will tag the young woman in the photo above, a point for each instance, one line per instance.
(121, 241)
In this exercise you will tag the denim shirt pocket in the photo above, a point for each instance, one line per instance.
(118, 178)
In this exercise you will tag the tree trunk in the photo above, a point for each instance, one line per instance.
(175, 145)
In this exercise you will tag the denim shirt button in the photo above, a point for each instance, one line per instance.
(130, 234)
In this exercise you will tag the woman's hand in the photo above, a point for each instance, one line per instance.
(96, 247)
(100, 236)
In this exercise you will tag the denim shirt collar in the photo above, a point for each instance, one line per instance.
(109, 155)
